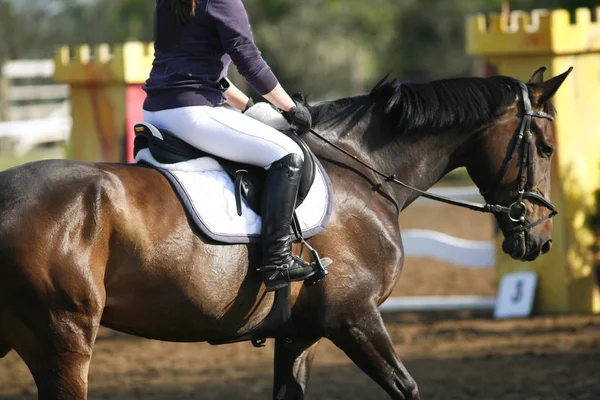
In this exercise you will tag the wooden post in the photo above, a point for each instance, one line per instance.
(106, 97)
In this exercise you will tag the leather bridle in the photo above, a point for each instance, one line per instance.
(517, 211)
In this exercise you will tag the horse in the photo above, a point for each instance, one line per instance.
(88, 244)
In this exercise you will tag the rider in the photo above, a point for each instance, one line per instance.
(195, 41)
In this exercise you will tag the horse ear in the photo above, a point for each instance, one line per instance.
(538, 76)
(548, 89)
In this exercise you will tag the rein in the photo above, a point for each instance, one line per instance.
(517, 210)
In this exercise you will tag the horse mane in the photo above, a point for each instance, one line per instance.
(416, 107)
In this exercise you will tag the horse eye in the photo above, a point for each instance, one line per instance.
(547, 150)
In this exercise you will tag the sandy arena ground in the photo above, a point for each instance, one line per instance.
(451, 356)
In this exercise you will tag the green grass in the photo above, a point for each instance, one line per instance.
(8, 160)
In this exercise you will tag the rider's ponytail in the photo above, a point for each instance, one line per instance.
(183, 10)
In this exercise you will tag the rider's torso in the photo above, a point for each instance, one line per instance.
(191, 61)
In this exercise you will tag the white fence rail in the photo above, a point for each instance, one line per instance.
(33, 113)
(461, 252)
(22, 136)
(450, 249)
(438, 303)
(28, 68)
(38, 92)
(467, 193)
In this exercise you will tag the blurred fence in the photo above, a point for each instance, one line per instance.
(33, 110)
(461, 252)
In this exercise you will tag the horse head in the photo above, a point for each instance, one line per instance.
(511, 165)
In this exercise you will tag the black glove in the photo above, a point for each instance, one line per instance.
(299, 118)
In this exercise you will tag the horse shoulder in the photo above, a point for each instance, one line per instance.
(363, 238)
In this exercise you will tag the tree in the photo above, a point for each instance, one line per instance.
(323, 47)
(327, 48)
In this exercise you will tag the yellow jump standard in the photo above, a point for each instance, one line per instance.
(517, 46)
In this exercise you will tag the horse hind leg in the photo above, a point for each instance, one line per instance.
(54, 331)
(58, 354)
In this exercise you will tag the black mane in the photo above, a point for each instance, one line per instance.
(416, 107)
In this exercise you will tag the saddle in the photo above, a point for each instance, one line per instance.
(249, 180)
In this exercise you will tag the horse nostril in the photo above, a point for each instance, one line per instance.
(547, 246)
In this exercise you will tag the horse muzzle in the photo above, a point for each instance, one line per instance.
(520, 246)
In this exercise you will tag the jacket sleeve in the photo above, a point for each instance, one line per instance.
(235, 34)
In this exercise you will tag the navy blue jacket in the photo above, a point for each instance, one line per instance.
(191, 61)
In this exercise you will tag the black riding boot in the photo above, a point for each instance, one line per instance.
(279, 200)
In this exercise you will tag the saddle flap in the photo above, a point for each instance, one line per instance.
(167, 148)
(207, 195)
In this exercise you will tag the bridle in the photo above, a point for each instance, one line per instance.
(517, 211)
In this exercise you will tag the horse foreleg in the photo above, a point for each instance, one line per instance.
(364, 339)
(293, 361)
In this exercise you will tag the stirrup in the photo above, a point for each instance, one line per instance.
(322, 263)
(321, 271)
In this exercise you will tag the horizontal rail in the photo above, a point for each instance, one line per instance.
(31, 127)
(462, 252)
(38, 92)
(466, 193)
(21, 69)
(438, 303)
(36, 111)
(439, 246)
(22, 136)
(34, 96)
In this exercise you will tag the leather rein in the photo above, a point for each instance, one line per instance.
(517, 211)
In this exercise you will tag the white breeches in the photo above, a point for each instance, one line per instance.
(225, 133)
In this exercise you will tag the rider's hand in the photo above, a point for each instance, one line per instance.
(299, 118)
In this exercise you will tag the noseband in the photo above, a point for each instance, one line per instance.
(517, 211)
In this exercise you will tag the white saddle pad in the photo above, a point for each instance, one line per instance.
(207, 193)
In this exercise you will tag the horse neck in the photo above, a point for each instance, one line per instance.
(418, 153)
(421, 160)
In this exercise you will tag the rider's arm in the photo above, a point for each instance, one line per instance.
(235, 97)
(279, 98)
(233, 26)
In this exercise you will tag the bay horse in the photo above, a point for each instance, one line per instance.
(88, 244)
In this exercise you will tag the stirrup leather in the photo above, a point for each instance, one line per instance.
(320, 264)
